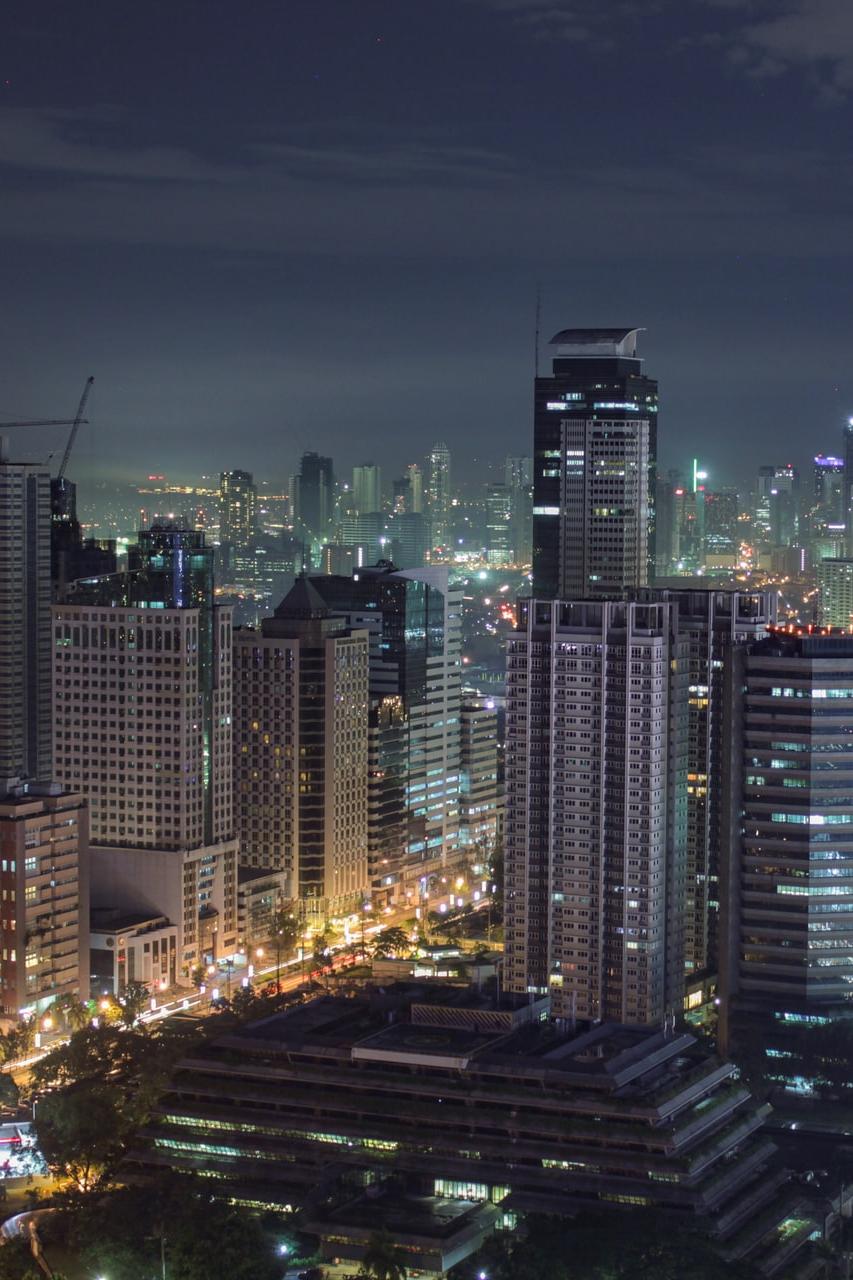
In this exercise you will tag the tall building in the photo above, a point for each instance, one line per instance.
(712, 623)
(518, 478)
(25, 597)
(848, 484)
(499, 529)
(387, 827)
(438, 495)
(142, 713)
(409, 539)
(367, 489)
(596, 821)
(776, 510)
(416, 487)
(44, 884)
(787, 954)
(238, 502)
(835, 593)
(301, 751)
(480, 792)
(722, 534)
(313, 498)
(595, 449)
(413, 617)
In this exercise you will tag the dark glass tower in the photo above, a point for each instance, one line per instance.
(595, 448)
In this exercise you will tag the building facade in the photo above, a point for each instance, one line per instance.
(438, 496)
(480, 791)
(142, 714)
(238, 503)
(413, 617)
(596, 821)
(787, 945)
(301, 751)
(835, 593)
(594, 481)
(44, 886)
(25, 598)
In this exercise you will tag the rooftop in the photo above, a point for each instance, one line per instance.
(596, 342)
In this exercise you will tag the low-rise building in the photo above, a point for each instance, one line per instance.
(441, 1092)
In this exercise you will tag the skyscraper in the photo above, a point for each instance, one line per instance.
(518, 478)
(300, 750)
(25, 597)
(414, 618)
(595, 449)
(416, 483)
(712, 624)
(438, 494)
(596, 821)
(142, 708)
(367, 489)
(835, 593)
(238, 499)
(787, 954)
(480, 795)
(313, 499)
(499, 530)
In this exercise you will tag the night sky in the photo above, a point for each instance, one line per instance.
(272, 225)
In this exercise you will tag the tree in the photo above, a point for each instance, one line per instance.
(321, 950)
(71, 1012)
(285, 934)
(132, 1002)
(80, 1131)
(383, 1259)
(392, 941)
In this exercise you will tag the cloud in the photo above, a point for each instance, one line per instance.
(814, 35)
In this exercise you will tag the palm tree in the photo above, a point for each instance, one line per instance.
(383, 1259)
(393, 941)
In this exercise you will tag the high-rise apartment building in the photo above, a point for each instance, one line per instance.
(596, 821)
(413, 617)
(238, 502)
(25, 597)
(712, 624)
(44, 885)
(480, 792)
(367, 489)
(835, 593)
(787, 953)
(595, 449)
(142, 712)
(438, 495)
(301, 751)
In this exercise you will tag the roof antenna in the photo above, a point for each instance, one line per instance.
(536, 334)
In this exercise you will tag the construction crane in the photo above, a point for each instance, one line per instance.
(73, 423)
(78, 418)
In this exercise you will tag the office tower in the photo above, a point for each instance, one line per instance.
(387, 776)
(722, 532)
(365, 533)
(300, 751)
(829, 489)
(401, 496)
(712, 623)
(142, 711)
(666, 488)
(518, 478)
(480, 796)
(595, 434)
(45, 891)
(25, 594)
(367, 489)
(438, 495)
(596, 822)
(687, 535)
(776, 509)
(414, 618)
(835, 593)
(499, 540)
(238, 501)
(787, 947)
(416, 487)
(409, 539)
(313, 498)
